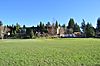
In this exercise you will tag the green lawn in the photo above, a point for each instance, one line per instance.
(50, 52)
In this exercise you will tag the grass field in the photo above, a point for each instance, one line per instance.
(50, 52)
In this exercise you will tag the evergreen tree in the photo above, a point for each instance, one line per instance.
(1, 23)
(24, 26)
(41, 25)
(83, 27)
(71, 23)
(98, 25)
(76, 28)
(59, 25)
(48, 24)
(64, 26)
(56, 24)
(89, 30)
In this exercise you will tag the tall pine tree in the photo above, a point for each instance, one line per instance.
(89, 30)
(71, 23)
(76, 28)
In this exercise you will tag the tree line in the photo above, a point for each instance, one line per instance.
(86, 30)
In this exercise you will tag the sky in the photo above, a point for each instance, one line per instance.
(31, 12)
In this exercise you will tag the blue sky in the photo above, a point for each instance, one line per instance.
(31, 12)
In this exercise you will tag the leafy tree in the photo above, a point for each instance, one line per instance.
(89, 30)
(76, 28)
(17, 27)
(29, 32)
(71, 23)
(32, 35)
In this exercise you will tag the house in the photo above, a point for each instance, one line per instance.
(51, 30)
(77, 34)
(60, 31)
(3, 31)
(73, 35)
(68, 33)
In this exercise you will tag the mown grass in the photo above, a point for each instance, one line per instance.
(50, 52)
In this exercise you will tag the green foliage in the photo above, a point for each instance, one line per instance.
(76, 28)
(56, 24)
(32, 35)
(59, 25)
(98, 25)
(48, 24)
(24, 26)
(41, 25)
(17, 27)
(70, 31)
(83, 26)
(50, 52)
(64, 26)
(1, 23)
(89, 30)
(71, 23)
